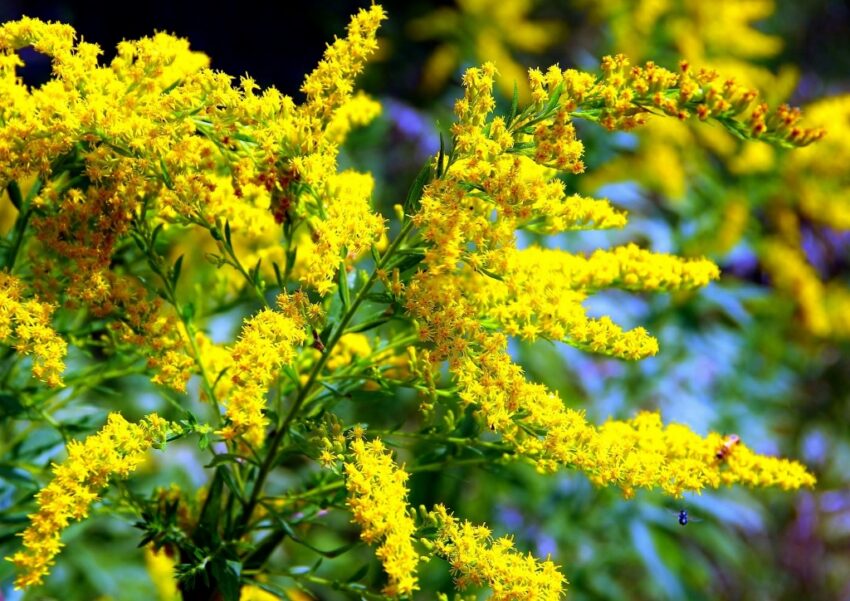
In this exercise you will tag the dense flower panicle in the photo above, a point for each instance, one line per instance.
(149, 325)
(267, 343)
(640, 453)
(348, 224)
(331, 84)
(377, 497)
(157, 128)
(116, 450)
(501, 179)
(623, 96)
(540, 293)
(524, 304)
(25, 324)
(534, 421)
(476, 559)
(357, 112)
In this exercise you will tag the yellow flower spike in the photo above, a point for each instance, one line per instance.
(330, 85)
(25, 324)
(266, 344)
(476, 559)
(377, 497)
(360, 110)
(116, 450)
(348, 223)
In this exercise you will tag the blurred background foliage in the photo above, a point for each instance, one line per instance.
(763, 353)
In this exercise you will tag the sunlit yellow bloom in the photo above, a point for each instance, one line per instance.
(267, 343)
(360, 110)
(477, 559)
(25, 324)
(116, 450)
(377, 497)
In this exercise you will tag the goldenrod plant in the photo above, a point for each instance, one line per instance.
(154, 195)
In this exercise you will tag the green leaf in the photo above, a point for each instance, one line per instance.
(441, 156)
(227, 574)
(514, 105)
(175, 271)
(344, 292)
(409, 260)
(359, 574)
(370, 324)
(414, 195)
(188, 311)
(9, 473)
(231, 484)
(227, 234)
(155, 234)
(14, 192)
(10, 405)
(222, 458)
(264, 550)
(206, 532)
(165, 177)
(255, 273)
(277, 275)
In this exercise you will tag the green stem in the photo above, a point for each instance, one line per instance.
(271, 457)
(338, 484)
(21, 222)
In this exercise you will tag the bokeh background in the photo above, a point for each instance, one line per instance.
(762, 354)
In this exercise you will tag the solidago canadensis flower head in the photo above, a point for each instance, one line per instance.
(267, 343)
(25, 323)
(476, 559)
(116, 450)
(377, 497)
(155, 150)
(480, 288)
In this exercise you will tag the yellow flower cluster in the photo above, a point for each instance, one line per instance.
(623, 96)
(116, 450)
(148, 324)
(477, 560)
(266, 344)
(377, 496)
(480, 288)
(26, 325)
(640, 453)
(349, 225)
(156, 128)
(541, 290)
(330, 85)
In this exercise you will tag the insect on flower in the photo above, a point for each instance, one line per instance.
(726, 448)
